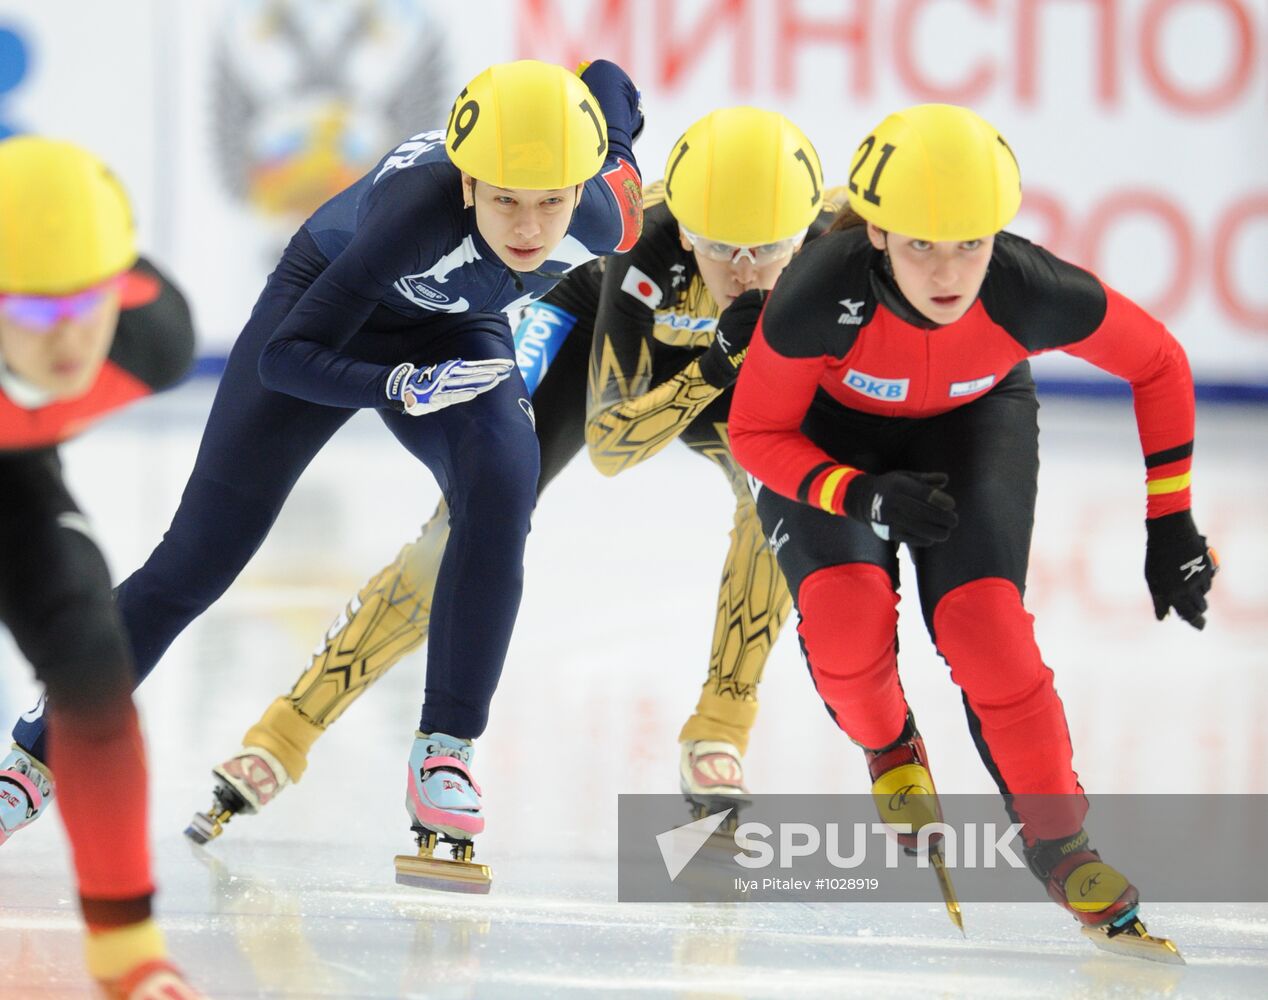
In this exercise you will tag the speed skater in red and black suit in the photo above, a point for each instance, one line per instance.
(887, 399)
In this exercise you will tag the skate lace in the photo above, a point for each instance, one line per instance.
(23, 766)
(444, 750)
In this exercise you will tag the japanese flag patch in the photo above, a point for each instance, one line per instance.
(641, 287)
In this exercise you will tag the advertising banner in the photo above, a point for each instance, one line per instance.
(1139, 124)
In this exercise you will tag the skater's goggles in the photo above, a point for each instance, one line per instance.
(729, 253)
(43, 312)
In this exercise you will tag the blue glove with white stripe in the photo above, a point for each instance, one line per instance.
(425, 390)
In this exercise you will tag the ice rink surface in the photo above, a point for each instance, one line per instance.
(611, 647)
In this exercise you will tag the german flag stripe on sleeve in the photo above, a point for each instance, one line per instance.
(1177, 454)
(827, 489)
(803, 491)
(1167, 479)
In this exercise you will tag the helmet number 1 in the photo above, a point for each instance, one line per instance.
(598, 129)
(887, 151)
(814, 182)
(673, 168)
(462, 119)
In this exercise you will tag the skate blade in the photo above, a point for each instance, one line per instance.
(1136, 942)
(705, 805)
(948, 890)
(443, 874)
(204, 827)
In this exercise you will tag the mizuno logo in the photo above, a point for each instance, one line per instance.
(876, 507)
(776, 540)
(1193, 566)
(851, 315)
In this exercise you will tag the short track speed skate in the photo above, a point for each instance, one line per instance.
(1099, 897)
(443, 801)
(26, 788)
(711, 776)
(905, 797)
(245, 783)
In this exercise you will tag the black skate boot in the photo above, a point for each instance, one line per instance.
(1098, 896)
(903, 791)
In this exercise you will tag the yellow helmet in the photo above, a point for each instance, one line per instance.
(745, 177)
(527, 124)
(65, 223)
(936, 172)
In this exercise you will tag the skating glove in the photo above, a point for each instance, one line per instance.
(903, 506)
(1179, 567)
(720, 364)
(426, 390)
(620, 100)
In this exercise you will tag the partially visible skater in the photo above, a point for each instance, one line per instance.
(85, 328)
(392, 297)
(887, 400)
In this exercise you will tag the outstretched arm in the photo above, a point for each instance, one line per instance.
(1179, 567)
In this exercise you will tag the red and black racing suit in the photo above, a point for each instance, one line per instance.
(844, 376)
(55, 598)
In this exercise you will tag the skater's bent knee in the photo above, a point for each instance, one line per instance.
(988, 638)
(851, 606)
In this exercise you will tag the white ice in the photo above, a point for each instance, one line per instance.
(608, 656)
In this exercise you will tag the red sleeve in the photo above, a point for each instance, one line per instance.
(1133, 345)
(771, 399)
(44, 426)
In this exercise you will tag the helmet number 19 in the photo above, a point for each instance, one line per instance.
(865, 148)
(462, 119)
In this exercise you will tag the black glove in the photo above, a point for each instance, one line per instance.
(903, 506)
(1179, 567)
(618, 98)
(720, 364)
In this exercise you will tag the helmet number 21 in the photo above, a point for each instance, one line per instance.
(865, 148)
